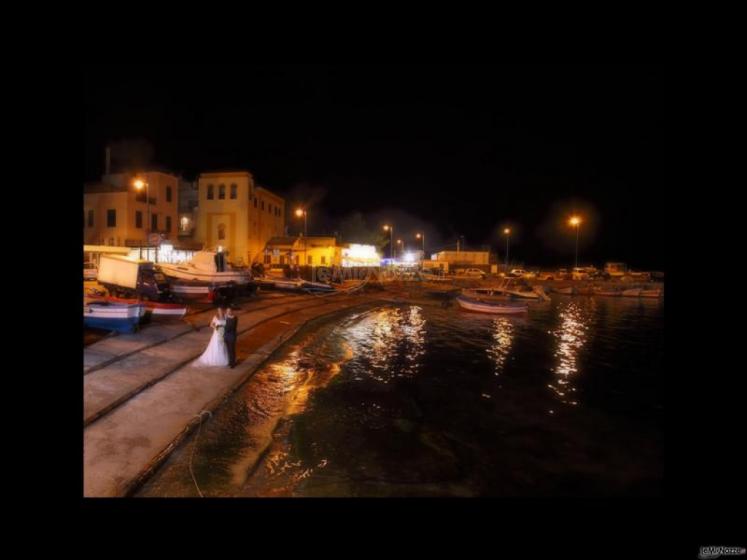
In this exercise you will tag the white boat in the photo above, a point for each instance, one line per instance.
(656, 293)
(120, 317)
(486, 307)
(486, 294)
(194, 291)
(428, 277)
(633, 292)
(569, 291)
(202, 268)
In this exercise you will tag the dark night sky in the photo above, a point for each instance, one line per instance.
(458, 150)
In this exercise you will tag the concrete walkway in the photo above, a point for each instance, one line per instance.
(109, 386)
(114, 348)
(122, 447)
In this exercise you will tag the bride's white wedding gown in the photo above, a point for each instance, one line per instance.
(216, 353)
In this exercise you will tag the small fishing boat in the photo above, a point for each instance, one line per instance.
(569, 291)
(155, 308)
(203, 268)
(193, 291)
(487, 294)
(607, 292)
(119, 317)
(488, 307)
(633, 292)
(428, 277)
(655, 293)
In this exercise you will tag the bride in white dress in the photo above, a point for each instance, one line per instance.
(216, 353)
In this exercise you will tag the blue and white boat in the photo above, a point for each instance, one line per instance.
(488, 307)
(119, 317)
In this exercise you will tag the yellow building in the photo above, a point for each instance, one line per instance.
(235, 214)
(462, 257)
(115, 212)
(313, 251)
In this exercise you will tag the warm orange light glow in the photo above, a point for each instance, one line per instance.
(574, 221)
(386, 228)
(139, 183)
(507, 231)
(418, 236)
(300, 212)
(399, 241)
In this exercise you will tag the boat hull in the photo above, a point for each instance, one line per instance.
(485, 307)
(119, 317)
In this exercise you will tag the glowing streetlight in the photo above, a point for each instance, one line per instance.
(507, 232)
(139, 184)
(301, 212)
(575, 221)
(421, 236)
(390, 229)
(399, 246)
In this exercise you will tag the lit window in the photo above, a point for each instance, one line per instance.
(324, 259)
(309, 260)
(222, 192)
(234, 190)
(210, 192)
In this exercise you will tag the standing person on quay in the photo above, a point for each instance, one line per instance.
(232, 323)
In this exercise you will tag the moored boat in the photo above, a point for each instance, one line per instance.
(119, 317)
(633, 292)
(157, 309)
(203, 268)
(569, 291)
(607, 292)
(488, 307)
(656, 293)
(486, 294)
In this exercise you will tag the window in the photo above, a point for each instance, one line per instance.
(138, 219)
(90, 218)
(154, 222)
(282, 259)
(309, 260)
(262, 205)
(222, 192)
(168, 193)
(255, 201)
(268, 258)
(168, 223)
(269, 207)
(210, 193)
(221, 232)
(234, 190)
(324, 259)
(111, 219)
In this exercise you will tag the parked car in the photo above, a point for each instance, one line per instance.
(472, 273)
(90, 271)
(583, 272)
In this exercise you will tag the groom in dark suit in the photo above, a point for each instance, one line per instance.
(229, 335)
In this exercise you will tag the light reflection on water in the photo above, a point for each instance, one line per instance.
(570, 337)
(402, 401)
(500, 348)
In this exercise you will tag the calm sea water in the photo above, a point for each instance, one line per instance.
(426, 400)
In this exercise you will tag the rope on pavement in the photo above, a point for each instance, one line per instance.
(191, 455)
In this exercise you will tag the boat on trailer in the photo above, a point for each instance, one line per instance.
(488, 307)
(119, 317)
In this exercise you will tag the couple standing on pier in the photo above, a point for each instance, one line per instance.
(221, 350)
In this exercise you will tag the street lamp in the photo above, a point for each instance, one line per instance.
(139, 184)
(390, 229)
(299, 213)
(399, 243)
(507, 231)
(575, 221)
(421, 236)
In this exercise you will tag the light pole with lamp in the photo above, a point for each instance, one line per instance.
(575, 221)
(421, 236)
(507, 231)
(390, 229)
(399, 247)
(140, 185)
(299, 213)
